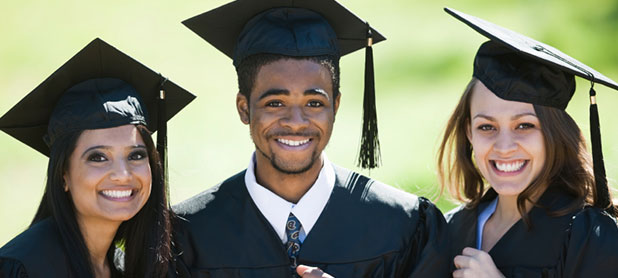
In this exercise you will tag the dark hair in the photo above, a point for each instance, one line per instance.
(249, 67)
(146, 236)
(567, 163)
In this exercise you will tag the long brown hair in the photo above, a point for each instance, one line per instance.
(567, 163)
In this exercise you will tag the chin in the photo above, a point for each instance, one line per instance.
(509, 189)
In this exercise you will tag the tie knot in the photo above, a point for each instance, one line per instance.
(293, 224)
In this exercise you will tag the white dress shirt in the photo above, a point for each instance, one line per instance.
(276, 209)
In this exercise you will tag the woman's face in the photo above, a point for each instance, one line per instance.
(507, 141)
(109, 175)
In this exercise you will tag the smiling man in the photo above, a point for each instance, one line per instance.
(292, 205)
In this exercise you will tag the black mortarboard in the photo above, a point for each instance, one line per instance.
(99, 87)
(296, 28)
(515, 67)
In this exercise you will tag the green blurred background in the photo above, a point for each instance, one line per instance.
(421, 71)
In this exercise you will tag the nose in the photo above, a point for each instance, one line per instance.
(505, 142)
(121, 171)
(295, 118)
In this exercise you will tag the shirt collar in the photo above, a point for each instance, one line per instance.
(276, 209)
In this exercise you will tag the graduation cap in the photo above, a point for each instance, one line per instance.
(99, 87)
(515, 67)
(297, 28)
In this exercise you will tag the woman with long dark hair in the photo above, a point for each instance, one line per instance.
(105, 209)
(533, 206)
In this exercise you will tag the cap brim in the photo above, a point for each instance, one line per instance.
(27, 120)
(532, 48)
(221, 26)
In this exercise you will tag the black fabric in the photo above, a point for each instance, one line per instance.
(532, 49)
(37, 252)
(93, 104)
(511, 76)
(222, 27)
(101, 66)
(582, 243)
(386, 233)
(286, 31)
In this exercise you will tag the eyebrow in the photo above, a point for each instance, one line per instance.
(515, 117)
(278, 92)
(274, 92)
(109, 147)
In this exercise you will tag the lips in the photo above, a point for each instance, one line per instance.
(509, 167)
(118, 195)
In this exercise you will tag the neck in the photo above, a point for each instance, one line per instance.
(290, 187)
(98, 236)
(507, 210)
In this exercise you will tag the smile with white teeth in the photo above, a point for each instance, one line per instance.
(293, 143)
(117, 193)
(509, 166)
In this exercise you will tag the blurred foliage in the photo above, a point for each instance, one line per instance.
(421, 70)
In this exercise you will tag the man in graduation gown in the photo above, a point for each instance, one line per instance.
(292, 205)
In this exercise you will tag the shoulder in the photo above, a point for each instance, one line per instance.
(36, 245)
(209, 197)
(595, 223)
(459, 214)
(42, 236)
(375, 194)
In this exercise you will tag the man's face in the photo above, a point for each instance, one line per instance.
(291, 112)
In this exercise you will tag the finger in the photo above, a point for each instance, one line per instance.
(311, 272)
(300, 269)
(462, 261)
(459, 273)
(469, 251)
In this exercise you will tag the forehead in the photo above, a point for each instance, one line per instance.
(483, 101)
(125, 135)
(293, 75)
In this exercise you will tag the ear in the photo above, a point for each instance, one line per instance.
(242, 105)
(336, 103)
(66, 184)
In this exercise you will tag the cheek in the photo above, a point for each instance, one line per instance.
(144, 174)
(481, 146)
(261, 120)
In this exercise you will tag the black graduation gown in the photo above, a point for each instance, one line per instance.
(583, 243)
(367, 229)
(37, 252)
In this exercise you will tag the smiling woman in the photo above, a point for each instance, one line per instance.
(518, 161)
(106, 184)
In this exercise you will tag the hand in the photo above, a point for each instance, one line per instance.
(475, 263)
(311, 272)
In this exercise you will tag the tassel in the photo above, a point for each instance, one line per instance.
(601, 198)
(369, 156)
(162, 131)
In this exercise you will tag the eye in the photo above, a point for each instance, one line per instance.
(138, 155)
(315, 103)
(525, 126)
(486, 127)
(97, 157)
(274, 103)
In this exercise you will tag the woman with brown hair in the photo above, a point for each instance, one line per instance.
(533, 207)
